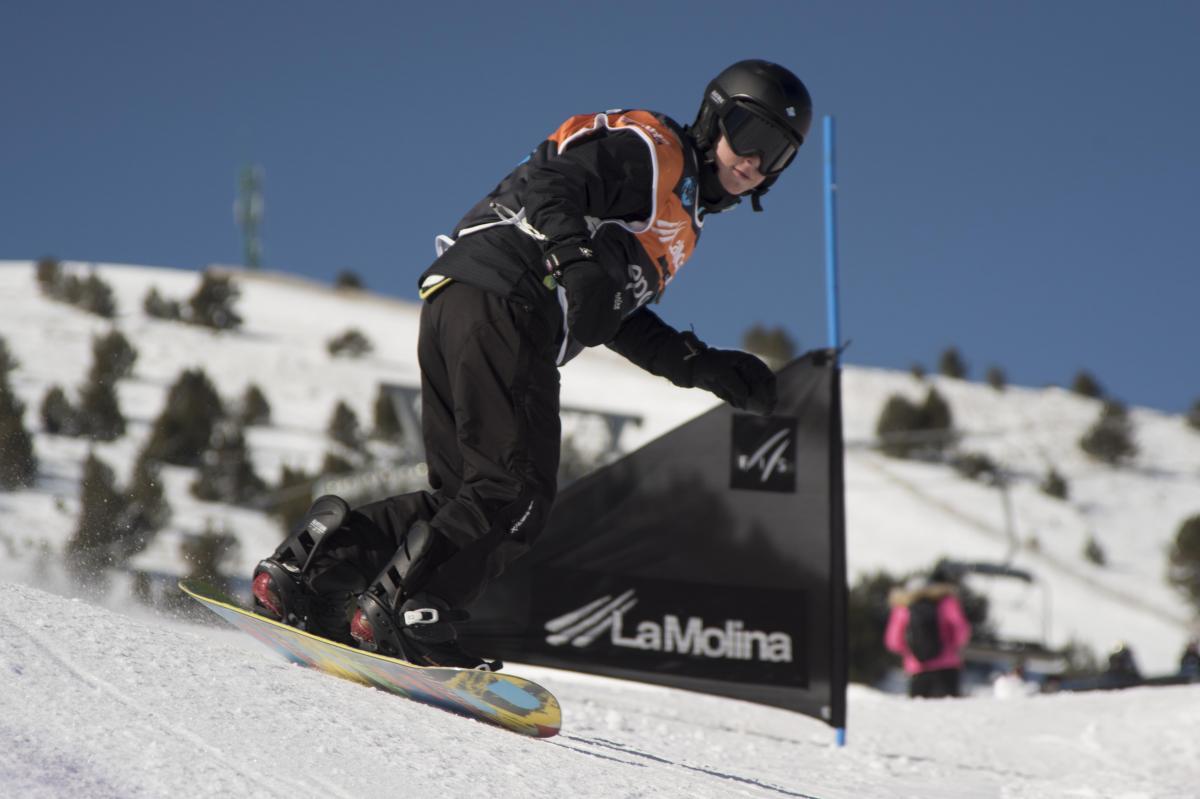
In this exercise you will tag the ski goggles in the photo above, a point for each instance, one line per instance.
(750, 131)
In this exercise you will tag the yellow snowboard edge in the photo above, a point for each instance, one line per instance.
(511, 702)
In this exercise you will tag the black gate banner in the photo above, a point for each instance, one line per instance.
(710, 559)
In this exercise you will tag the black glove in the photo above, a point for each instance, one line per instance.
(594, 298)
(737, 377)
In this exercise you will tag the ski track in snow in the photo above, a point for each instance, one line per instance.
(153, 725)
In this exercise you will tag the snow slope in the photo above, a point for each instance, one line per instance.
(901, 515)
(96, 705)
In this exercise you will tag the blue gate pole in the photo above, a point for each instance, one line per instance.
(831, 265)
(831, 287)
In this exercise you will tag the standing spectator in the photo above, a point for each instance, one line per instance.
(1122, 671)
(928, 629)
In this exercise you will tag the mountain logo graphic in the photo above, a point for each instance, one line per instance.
(583, 626)
(586, 625)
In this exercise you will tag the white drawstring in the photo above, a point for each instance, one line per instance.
(511, 217)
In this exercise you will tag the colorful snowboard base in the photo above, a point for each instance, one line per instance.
(502, 699)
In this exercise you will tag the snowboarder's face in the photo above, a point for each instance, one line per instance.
(738, 173)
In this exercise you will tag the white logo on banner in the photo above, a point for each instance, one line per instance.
(768, 458)
(689, 636)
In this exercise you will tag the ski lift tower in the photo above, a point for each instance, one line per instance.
(248, 214)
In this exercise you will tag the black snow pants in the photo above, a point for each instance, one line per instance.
(491, 428)
(936, 684)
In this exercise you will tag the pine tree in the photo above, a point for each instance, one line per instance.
(1183, 562)
(70, 289)
(996, 378)
(343, 427)
(256, 411)
(1054, 485)
(1193, 415)
(867, 617)
(951, 364)
(89, 552)
(292, 497)
(1085, 384)
(936, 416)
(113, 357)
(226, 471)
(90, 293)
(906, 430)
(772, 344)
(157, 306)
(1110, 439)
(142, 588)
(212, 304)
(897, 421)
(387, 424)
(336, 464)
(207, 553)
(146, 508)
(8, 362)
(99, 415)
(49, 276)
(347, 279)
(96, 296)
(58, 415)
(183, 429)
(18, 463)
(350, 344)
(1093, 552)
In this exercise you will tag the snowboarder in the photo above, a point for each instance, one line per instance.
(565, 253)
(928, 629)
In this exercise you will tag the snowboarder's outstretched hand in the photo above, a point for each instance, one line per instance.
(594, 301)
(737, 377)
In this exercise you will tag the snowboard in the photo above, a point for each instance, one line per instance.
(502, 699)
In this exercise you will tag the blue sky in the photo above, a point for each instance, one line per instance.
(1017, 179)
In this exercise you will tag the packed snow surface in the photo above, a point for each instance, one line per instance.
(96, 704)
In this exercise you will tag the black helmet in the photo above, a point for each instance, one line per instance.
(761, 108)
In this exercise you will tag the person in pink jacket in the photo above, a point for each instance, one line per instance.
(932, 649)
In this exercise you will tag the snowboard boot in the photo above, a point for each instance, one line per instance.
(415, 627)
(284, 591)
(420, 632)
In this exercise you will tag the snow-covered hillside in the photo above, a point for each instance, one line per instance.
(99, 705)
(901, 515)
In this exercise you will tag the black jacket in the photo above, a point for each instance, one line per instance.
(631, 184)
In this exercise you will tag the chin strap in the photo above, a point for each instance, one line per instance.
(764, 187)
